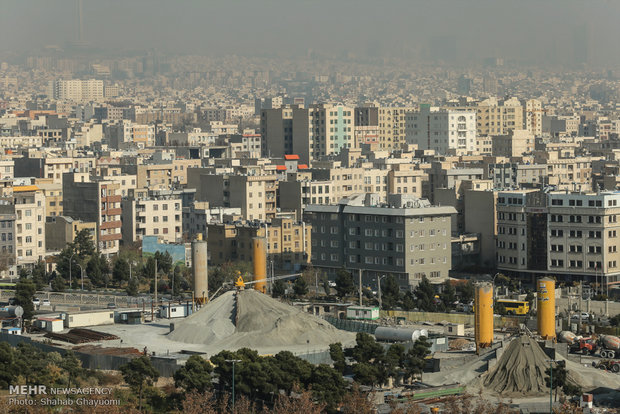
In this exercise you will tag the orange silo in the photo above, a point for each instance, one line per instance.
(483, 315)
(546, 308)
(259, 252)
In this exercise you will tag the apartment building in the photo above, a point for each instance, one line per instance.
(161, 176)
(52, 167)
(565, 170)
(533, 117)
(76, 90)
(29, 203)
(93, 199)
(7, 169)
(7, 239)
(152, 213)
(514, 144)
(498, 117)
(253, 193)
(507, 176)
(52, 192)
(409, 241)
(289, 242)
(570, 235)
(313, 132)
(197, 215)
(406, 179)
(391, 122)
(446, 131)
(61, 230)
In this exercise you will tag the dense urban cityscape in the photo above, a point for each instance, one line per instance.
(387, 226)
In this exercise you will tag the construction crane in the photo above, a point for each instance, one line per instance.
(240, 284)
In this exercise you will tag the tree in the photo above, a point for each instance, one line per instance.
(195, 375)
(394, 360)
(72, 365)
(97, 270)
(344, 283)
(301, 403)
(615, 320)
(300, 287)
(367, 374)
(24, 294)
(327, 385)
(138, 373)
(390, 292)
(408, 301)
(58, 284)
(132, 286)
(39, 275)
(164, 262)
(337, 355)
(366, 348)
(83, 244)
(278, 289)
(357, 402)
(466, 291)
(500, 309)
(425, 295)
(415, 359)
(448, 296)
(120, 272)
(559, 377)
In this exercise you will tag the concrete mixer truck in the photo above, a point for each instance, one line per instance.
(610, 346)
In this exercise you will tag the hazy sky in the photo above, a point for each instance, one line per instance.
(459, 30)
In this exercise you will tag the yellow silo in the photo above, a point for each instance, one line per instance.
(259, 249)
(483, 315)
(546, 308)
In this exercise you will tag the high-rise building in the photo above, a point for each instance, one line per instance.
(76, 90)
(29, 224)
(447, 131)
(533, 117)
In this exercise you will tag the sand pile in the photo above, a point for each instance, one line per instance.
(256, 321)
(520, 370)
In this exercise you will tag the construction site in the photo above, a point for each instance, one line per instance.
(498, 364)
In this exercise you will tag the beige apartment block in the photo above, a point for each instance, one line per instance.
(498, 118)
(565, 171)
(533, 117)
(289, 242)
(53, 195)
(392, 126)
(162, 176)
(29, 224)
(152, 214)
(514, 144)
(61, 230)
(93, 199)
(406, 179)
(52, 167)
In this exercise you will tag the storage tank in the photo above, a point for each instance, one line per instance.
(259, 251)
(567, 337)
(200, 267)
(11, 312)
(483, 315)
(546, 308)
(384, 333)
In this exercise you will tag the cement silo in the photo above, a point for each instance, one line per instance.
(546, 308)
(259, 253)
(200, 266)
(483, 315)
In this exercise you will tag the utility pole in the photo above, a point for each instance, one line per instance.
(360, 285)
(316, 283)
(155, 281)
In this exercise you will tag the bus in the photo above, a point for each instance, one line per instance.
(514, 306)
(7, 285)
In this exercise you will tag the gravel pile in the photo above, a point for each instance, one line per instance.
(256, 321)
(520, 370)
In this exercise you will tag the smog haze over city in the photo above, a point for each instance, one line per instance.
(310, 206)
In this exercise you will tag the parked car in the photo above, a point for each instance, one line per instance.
(36, 301)
(332, 284)
(584, 315)
(111, 305)
(46, 302)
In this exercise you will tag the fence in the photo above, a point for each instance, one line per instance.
(80, 298)
(352, 326)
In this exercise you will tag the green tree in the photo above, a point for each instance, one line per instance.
(390, 292)
(278, 289)
(24, 294)
(394, 360)
(425, 295)
(8, 373)
(120, 272)
(344, 283)
(559, 377)
(367, 374)
(72, 365)
(290, 370)
(337, 355)
(466, 291)
(408, 301)
(300, 287)
(132, 286)
(164, 262)
(448, 296)
(58, 284)
(414, 360)
(327, 385)
(39, 275)
(97, 270)
(615, 321)
(366, 349)
(195, 375)
(83, 244)
(138, 373)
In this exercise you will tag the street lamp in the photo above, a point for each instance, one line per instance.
(379, 288)
(82, 274)
(551, 361)
(70, 262)
(233, 380)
